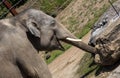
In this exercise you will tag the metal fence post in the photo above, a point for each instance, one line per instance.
(9, 7)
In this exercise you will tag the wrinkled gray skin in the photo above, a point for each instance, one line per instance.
(22, 36)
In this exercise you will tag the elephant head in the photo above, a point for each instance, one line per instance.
(45, 32)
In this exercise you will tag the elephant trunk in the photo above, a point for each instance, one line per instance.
(64, 35)
(80, 45)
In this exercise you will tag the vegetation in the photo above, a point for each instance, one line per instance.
(2, 11)
(20, 3)
(86, 65)
(54, 55)
(73, 24)
(90, 23)
(53, 7)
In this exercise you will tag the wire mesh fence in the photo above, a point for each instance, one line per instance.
(53, 7)
(18, 5)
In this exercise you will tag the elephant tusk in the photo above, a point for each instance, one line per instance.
(71, 39)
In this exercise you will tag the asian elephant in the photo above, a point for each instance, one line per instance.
(23, 36)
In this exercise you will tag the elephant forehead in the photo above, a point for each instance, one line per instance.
(36, 13)
(40, 16)
(46, 22)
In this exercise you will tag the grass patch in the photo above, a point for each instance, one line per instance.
(91, 22)
(52, 7)
(86, 28)
(73, 23)
(85, 65)
(3, 11)
(54, 54)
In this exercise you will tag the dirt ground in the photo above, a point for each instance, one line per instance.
(66, 65)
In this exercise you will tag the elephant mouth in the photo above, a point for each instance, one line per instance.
(60, 47)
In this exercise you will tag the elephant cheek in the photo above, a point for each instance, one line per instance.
(46, 37)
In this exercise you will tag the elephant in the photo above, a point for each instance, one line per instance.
(26, 34)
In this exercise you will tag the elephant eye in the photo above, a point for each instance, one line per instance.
(35, 25)
(53, 23)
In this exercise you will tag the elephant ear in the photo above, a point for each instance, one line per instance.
(33, 28)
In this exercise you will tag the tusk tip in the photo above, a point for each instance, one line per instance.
(71, 39)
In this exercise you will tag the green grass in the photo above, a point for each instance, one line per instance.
(86, 28)
(54, 55)
(52, 7)
(85, 63)
(3, 10)
(91, 22)
(73, 23)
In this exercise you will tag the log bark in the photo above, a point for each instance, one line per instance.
(108, 45)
